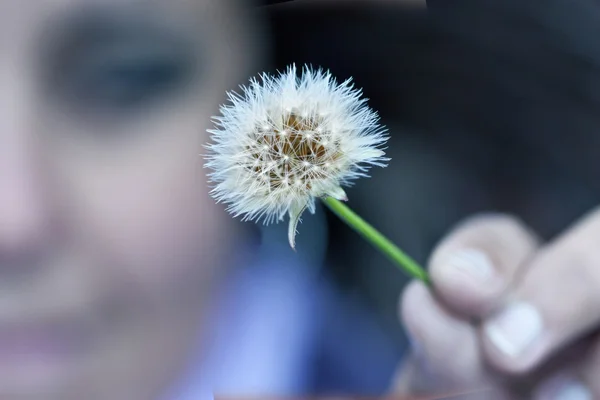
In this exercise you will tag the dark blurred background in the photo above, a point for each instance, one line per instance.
(491, 106)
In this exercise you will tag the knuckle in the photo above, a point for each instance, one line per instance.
(563, 283)
(576, 269)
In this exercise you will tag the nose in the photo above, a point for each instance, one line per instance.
(23, 209)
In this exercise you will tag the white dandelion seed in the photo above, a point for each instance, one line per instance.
(318, 136)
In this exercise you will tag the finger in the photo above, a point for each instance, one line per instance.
(555, 303)
(564, 387)
(446, 350)
(576, 378)
(588, 372)
(474, 265)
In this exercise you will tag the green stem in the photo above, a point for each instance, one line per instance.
(373, 236)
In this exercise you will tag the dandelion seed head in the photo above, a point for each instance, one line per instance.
(289, 139)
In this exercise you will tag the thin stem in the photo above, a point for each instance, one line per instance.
(373, 236)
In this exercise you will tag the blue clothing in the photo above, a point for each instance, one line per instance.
(283, 330)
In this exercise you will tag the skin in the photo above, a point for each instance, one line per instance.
(452, 324)
(110, 246)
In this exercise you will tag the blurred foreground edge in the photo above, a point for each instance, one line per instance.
(271, 2)
(471, 395)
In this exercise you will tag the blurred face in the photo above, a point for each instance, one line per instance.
(109, 242)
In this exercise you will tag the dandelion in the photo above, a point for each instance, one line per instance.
(287, 141)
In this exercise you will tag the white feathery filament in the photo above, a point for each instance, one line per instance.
(287, 140)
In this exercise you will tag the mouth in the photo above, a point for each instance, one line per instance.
(38, 354)
(41, 340)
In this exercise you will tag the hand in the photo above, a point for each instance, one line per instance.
(507, 313)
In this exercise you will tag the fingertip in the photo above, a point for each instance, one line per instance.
(468, 280)
(472, 267)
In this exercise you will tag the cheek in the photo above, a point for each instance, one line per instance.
(160, 226)
(145, 204)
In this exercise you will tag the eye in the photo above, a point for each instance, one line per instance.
(104, 64)
(113, 81)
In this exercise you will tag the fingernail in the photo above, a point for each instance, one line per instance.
(471, 263)
(514, 329)
(564, 389)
